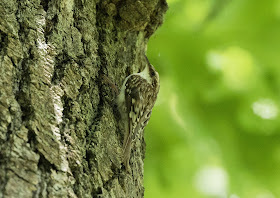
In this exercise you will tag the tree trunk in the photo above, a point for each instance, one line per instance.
(61, 64)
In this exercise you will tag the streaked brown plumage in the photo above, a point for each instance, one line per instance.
(136, 100)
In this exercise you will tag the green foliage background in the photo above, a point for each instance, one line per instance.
(215, 129)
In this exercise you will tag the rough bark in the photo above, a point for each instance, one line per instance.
(59, 128)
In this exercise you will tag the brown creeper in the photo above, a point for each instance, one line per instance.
(135, 101)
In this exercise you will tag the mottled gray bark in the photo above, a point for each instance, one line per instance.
(59, 129)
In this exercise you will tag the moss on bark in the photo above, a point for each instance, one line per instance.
(59, 131)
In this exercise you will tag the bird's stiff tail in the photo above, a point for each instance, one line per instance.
(127, 151)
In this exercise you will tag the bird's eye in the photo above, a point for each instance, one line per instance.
(153, 73)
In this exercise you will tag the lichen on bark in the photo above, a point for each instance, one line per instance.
(59, 129)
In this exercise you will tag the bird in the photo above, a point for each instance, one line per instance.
(135, 102)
